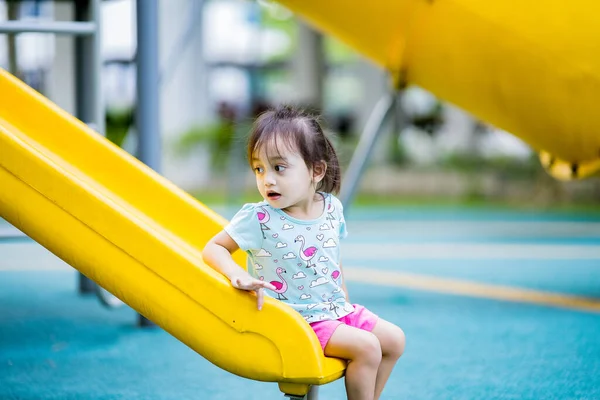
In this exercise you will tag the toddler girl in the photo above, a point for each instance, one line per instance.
(292, 239)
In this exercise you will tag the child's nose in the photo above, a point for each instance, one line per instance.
(269, 179)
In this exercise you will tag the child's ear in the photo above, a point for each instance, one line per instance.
(319, 170)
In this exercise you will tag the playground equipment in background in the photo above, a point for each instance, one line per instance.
(531, 68)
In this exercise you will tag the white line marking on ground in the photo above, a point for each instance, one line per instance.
(461, 228)
(470, 288)
(426, 251)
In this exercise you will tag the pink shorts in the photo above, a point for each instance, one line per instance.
(360, 318)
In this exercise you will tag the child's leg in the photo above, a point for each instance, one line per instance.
(392, 340)
(363, 352)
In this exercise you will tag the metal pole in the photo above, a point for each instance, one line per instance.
(147, 84)
(148, 121)
(83, 88)
(96, 74)
(89, 103)
(58, 27)
(313, 394)
(11, 233)
(13, 64)
(373, 129)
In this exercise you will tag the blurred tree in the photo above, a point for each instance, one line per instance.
(118, 123)
(429, 122)
(217, 136)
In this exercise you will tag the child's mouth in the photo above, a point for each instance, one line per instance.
(273, 196)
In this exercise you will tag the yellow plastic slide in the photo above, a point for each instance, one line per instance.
(137, 235)
(529, 67)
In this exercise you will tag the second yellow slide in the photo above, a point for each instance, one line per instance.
(529, 67)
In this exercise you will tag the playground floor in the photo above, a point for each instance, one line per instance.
(495, 305)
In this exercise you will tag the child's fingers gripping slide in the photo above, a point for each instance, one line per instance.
(252, 284)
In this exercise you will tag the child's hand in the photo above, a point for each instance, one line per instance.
(252, 284)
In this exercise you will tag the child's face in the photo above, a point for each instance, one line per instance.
(282, 177)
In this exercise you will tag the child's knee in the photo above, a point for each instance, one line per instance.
(393, 341)
(370, 350)
(397, 343)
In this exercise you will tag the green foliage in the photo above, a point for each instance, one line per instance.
(274, 16)
(430, 122)
(217, 137)
(508, 166)
(337, 52)
(117, 125)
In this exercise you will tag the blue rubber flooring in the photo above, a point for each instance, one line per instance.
(57, 344)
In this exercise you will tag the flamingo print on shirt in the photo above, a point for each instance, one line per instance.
(307, 254)
(286, 248)
(280, 286)
(263, 218)
(333, 306)
(335, 275)
(330, 216)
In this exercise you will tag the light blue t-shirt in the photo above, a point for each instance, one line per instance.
(301, 258)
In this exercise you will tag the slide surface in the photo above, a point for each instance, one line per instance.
(531, 68)
(140, 237)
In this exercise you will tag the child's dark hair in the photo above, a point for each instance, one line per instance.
(300, 131)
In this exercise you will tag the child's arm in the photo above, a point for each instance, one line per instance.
(217, 254)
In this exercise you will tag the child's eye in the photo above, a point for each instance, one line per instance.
(258, 170)
(279, 168)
